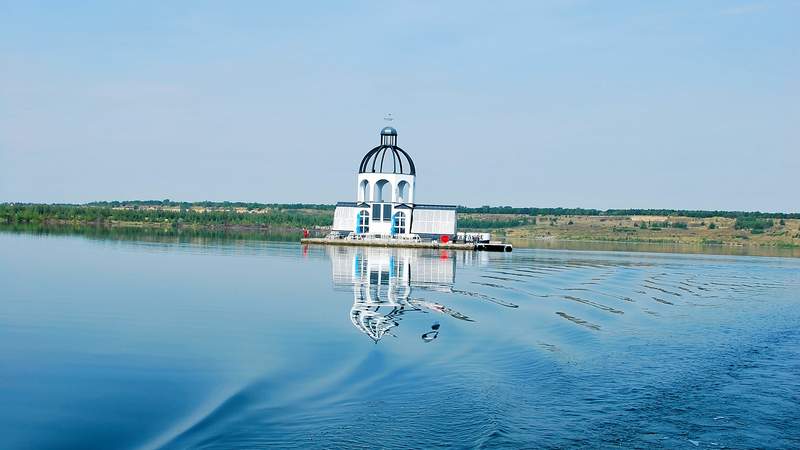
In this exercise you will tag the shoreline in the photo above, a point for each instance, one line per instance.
(132, 230)
(657, 247)
(555, 234)
(659, 242)
(723, 230)
(119, 224)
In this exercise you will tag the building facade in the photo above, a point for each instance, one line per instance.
(385, 203)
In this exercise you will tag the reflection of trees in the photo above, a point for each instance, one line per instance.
(382, 281)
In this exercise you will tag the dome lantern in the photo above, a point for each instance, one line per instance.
(388, 136)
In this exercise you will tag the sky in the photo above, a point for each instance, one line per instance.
(614, 104)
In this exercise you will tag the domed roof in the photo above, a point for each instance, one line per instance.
(387, 157)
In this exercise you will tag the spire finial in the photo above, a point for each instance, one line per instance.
(388, 133)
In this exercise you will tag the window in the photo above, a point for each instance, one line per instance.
(399, 223)
(363, 222)
(382, 212)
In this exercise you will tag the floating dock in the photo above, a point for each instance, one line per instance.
(493, 247)
(487, 246)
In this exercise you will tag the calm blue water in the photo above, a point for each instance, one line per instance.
(107, 344)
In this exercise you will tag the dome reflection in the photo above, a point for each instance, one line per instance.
(384, 281)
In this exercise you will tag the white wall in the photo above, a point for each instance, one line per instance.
(393, 179)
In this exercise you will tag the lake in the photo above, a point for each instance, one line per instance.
(235, 343)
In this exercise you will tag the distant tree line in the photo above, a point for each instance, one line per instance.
(478, 223)
(210, 204)
(37, 213)
(528, 211)
(311, 215)
(622, 212)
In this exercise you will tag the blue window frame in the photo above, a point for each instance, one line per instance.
(362, 222)
(399, 223)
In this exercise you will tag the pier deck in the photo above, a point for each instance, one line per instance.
(388, 243)
(407, 244)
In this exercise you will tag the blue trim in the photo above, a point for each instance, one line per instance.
(359, 228)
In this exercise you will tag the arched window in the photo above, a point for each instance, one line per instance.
(402, 192)
(383, 191)
(399, 223)
(363, 191)
(362, 225)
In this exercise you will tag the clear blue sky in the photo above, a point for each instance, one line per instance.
(679, 104)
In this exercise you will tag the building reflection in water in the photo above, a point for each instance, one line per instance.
(387, 284)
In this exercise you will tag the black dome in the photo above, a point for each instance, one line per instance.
(388, 157)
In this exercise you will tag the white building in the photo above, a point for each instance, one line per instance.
(385, 198)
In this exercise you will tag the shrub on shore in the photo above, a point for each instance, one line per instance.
(754, 224)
